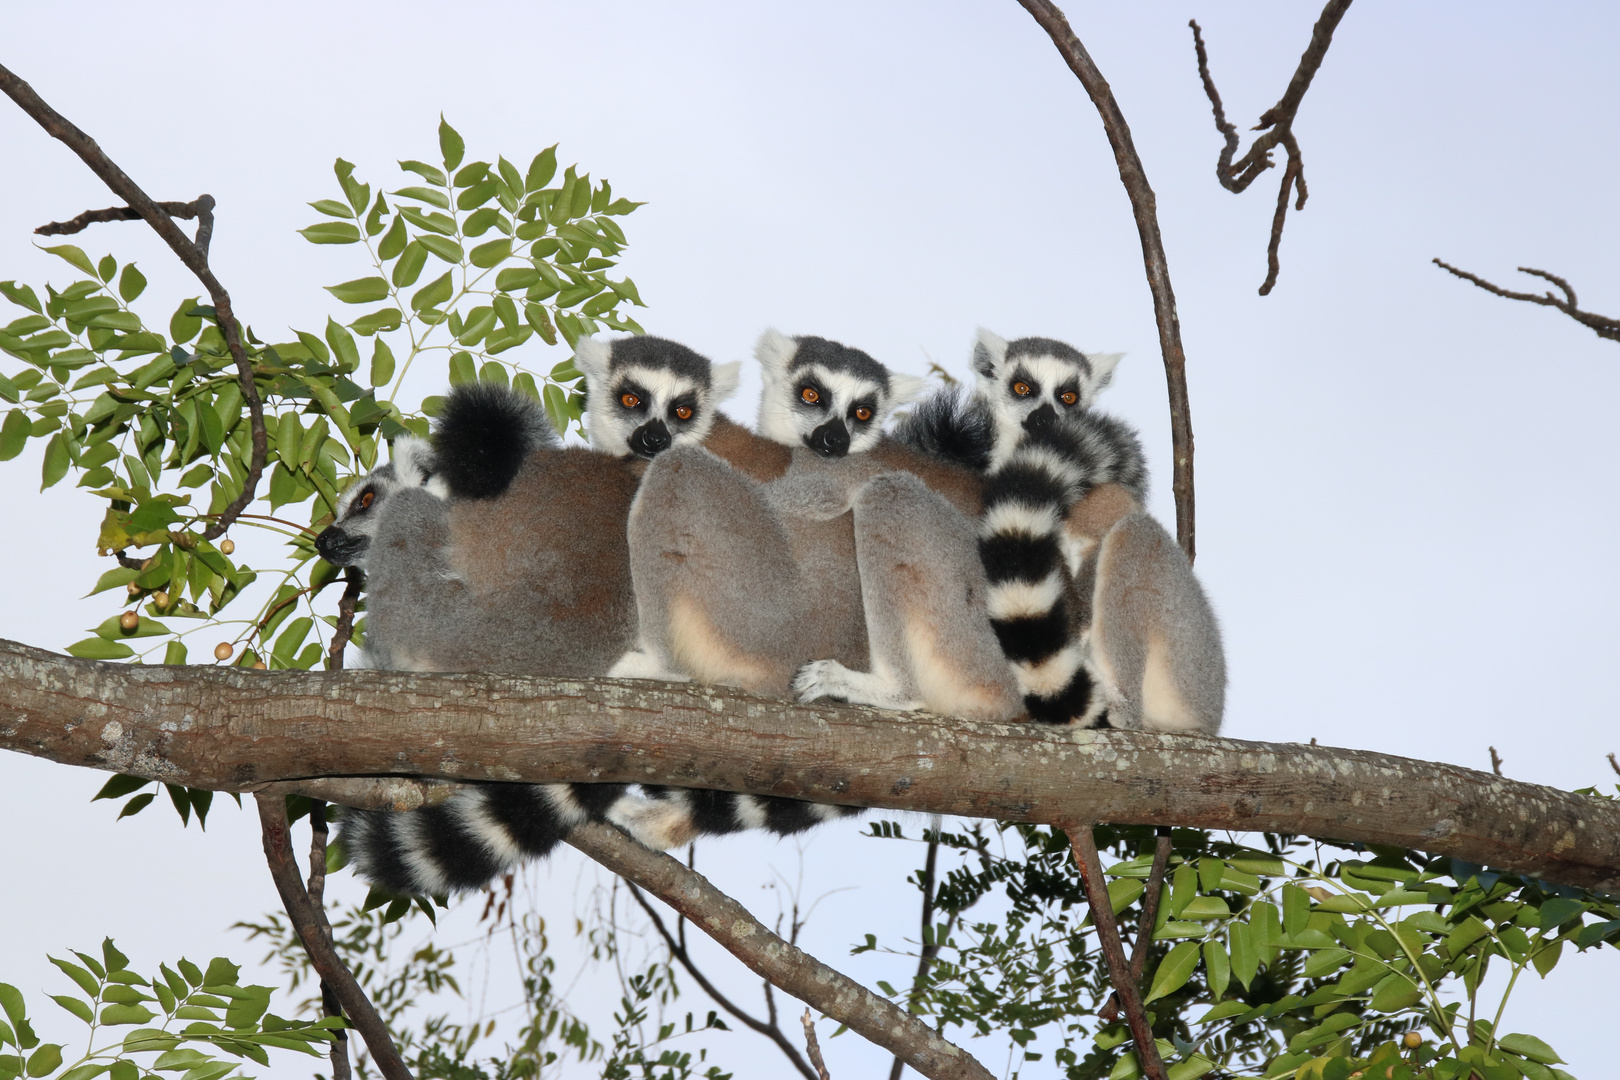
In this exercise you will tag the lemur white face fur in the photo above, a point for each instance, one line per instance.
(646, 394)
(346, 540)
(826, 396)
(1034, 381)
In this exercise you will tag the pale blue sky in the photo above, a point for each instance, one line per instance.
(1406, 518)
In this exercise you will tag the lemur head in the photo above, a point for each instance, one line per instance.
(646, 394)
(826, 396)
(1035, 382)
(346, 541)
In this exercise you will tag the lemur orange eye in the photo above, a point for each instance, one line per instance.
(1022, 389)
(683, 412)
(629, 401)
(366, 499)
(809, 394)
(1068, 397)
(863, 414)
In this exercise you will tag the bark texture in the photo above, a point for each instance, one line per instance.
(231, 729)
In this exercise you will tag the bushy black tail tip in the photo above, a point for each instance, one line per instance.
(951, 425)
(483, 434)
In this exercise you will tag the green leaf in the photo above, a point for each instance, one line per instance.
(120, 785)
(1191, 1069)
(131, 283)
(382, 363)
(75, 256)
(1254, 862)
(410, 264)
(331, 232)
(425, 171)
(1218, 969)
(174, 653)
(476, 196)
(180, 1059)
(106, 268)
(57, 460)
(462, 370)
(344, 349)
(1174, 970)
(136, 805)
(183, 325)
(1324, 1032)
(442, 246)
(1394, 993)
(424, 194)
(76, 1007)
(14, 434)
(491, 254)
(221, 972)
(332, 208)
(516, 278)
(433, 293)
(1296, 905)
(510, 175)
(1559, 910)
(1245, 960)
(126, 1014)
(85, 1072)
(451, 145)
(48, 1058)
(1528, 1046)
(21, 295)
(541, 170)
(95, 648)
(367, 290)
(82, 978)
(394, 240)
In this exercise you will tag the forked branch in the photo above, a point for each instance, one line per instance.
(194, 253)
(1602, 325)
(1278, 124)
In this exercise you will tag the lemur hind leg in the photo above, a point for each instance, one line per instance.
(923, 590)
(715, 579)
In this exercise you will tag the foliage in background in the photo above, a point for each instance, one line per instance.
(1300, 960)
(201, 1014)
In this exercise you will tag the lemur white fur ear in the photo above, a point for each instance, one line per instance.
(591, 356)
(989, 353)
(723, 380)
(904, 388)
(775, 351)
(1102, 368)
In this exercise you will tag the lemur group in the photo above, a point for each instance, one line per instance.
(989, 558)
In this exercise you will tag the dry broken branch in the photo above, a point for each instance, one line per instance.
(1144, 207)
(193, 253)
(1602, 325)
(1278, 124)
(232, 729)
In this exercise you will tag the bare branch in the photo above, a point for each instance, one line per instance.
(1144, 925)
(322, 957)
(677, 949)
(1144, 207)
(930, 948)
(768, 956)
(1602, 325)
(316, 888)
(1615, 765)
(1496, 761)
(1278, 124)
(354, 582)
(1119, 971)
(185, 211)
(193, 254)
(812, 1045)
(231, 729)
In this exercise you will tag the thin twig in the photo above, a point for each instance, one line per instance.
(792, 970)
(1119, 971)
(1602, 325)
(813, 1046)
(930, 948)
(1615, 765)
(183, 210)
(1144, 925)
(362, 1016)
(1144, 209)
(193, 253)
(318, 834)
(677, 949)
(1496, 761)
(345, 625)
(1279, 119)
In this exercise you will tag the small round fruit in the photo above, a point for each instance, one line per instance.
(260, 665)
(160, 598)
(134, 589)
(223, 651)
(129, 620)
(1413, 1040)
(227, 546)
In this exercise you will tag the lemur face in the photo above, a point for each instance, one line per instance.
(346, 541)
(646, 394)
(826, 396)
(1031, 383)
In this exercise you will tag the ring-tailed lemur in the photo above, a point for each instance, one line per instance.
(1087, 591)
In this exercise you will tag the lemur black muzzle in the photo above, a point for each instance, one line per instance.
(341, 548)
(650, 439)
(830, 439)
(1041, 419)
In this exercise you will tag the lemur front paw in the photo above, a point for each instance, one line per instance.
(822, 679)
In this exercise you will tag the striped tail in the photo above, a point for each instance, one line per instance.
(471, 837)
(1033, 606)
(671, 817)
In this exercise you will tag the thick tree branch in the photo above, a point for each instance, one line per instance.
(325, 960)
(193, 254)
(230, 729)
(677, 948)
(784, 965)
(1144, 207)
(1279, 119)
(1119, 970)
(1602, 325)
